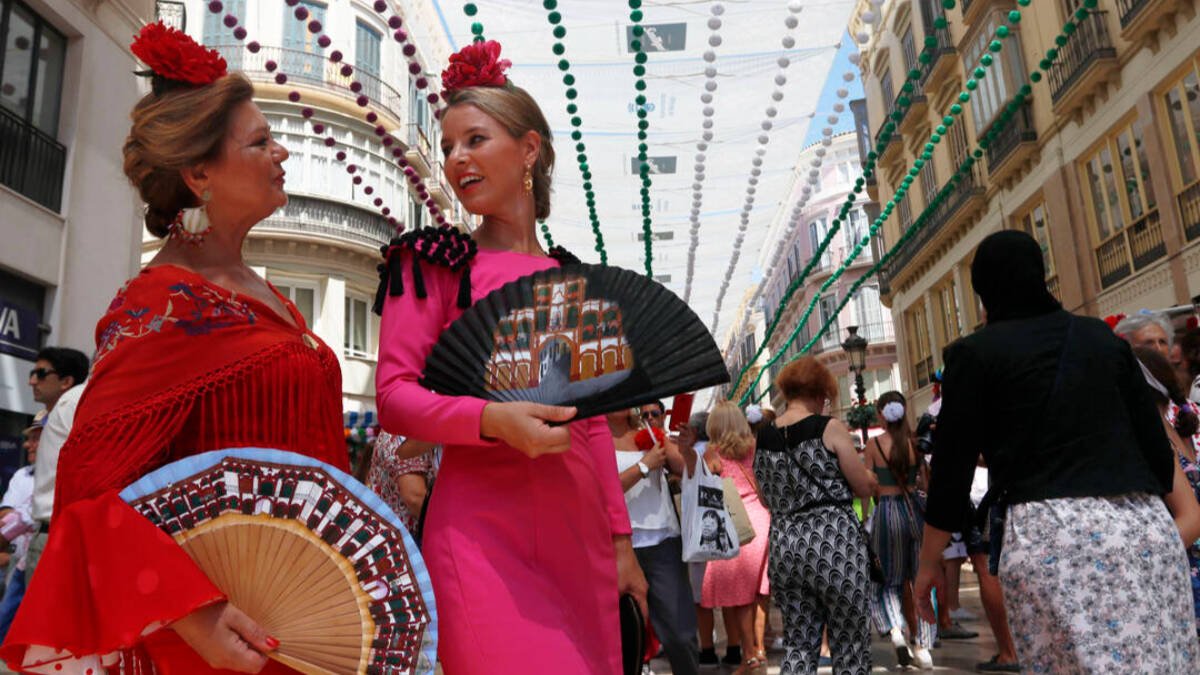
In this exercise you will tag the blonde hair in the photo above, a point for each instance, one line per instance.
(172, 131)
(729, 431)
(517, 112)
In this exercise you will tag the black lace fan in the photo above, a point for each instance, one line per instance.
(597, 338)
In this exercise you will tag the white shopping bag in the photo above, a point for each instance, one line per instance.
(707, 528)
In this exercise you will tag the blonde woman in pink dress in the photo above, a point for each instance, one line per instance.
(739, 585)
(527, 538)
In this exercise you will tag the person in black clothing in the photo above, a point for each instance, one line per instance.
(1093, 569)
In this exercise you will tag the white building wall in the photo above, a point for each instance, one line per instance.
(82, 252)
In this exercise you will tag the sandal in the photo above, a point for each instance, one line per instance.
(752, 665)
(994, 666)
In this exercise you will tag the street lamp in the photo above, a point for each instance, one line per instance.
(855, 347)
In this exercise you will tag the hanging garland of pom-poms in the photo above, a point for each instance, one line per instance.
(1010, 110)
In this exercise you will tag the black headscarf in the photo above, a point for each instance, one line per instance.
(1009, 275)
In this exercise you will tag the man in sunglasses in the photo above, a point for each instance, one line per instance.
(654, 414)
(57, 379)
(56, 370)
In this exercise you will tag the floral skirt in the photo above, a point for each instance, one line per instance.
(1098, 585)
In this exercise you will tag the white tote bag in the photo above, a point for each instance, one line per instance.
(707, 528)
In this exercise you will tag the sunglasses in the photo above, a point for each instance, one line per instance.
(42, 373)
(652, 413)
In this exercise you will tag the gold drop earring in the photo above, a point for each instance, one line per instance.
(528, 180)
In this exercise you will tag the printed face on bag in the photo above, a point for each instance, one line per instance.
(711, 498)
(712, 532)
(710, 523)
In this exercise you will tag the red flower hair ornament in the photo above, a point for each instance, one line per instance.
(175, 59)
(476, 65)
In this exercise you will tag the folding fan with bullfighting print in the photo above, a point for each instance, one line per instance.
(306, 551)
(595, 337)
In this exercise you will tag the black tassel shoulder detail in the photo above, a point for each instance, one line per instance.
(563, 256)
(444, 246)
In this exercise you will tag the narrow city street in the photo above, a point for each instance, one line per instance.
(953, 656)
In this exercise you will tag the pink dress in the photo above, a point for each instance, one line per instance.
(737, 582)
(519, 550)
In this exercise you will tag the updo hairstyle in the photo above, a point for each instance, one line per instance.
(517, 112)
(171, 131)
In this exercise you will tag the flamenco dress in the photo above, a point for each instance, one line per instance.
(182, 366)
(519, 550)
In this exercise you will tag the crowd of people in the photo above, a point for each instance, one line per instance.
(533, 523)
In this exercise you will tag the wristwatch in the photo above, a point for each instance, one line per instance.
(643, 469)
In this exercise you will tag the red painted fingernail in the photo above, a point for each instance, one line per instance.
(272, 642)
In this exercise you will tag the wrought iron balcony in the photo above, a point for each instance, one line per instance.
(1131, 249)
(31, 162)
(969, 188)
(1130, 9)
(172, 13)
(329, 219)
(1089, 45)
(931, 11)
(313, 70)
(1189, 208)
(1020, 130)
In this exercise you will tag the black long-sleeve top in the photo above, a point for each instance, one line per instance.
(1085, 427)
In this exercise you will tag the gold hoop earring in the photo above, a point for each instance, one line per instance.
(528, 180)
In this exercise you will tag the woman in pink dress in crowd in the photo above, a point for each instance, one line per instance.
(526, 537)
(740, 585)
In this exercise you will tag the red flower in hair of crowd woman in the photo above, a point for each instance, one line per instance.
(171, 54)
(476, 65)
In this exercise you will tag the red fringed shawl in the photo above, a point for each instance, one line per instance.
(182, 366)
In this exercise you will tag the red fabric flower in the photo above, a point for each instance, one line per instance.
(476, 65)
(644, 441)
(173, 55)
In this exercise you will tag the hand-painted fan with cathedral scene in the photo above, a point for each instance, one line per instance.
(305, 550)
(597, 338)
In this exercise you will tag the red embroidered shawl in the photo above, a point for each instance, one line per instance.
(182, 366)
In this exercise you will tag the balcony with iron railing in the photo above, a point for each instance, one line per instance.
(420, 150)
(1131, 249)
(1082, 63)
(310, 69)
(1014, 142)
(31, 162)
(1143, 18)
(330, 220)
(1130, 9)
(1189, 210)
(967, 194)
(439, 189)
(942, 44)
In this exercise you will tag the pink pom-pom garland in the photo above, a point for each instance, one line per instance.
(336, 56)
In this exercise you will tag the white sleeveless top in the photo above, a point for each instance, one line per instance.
(651, 512)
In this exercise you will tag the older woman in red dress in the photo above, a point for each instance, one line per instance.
(196, 353)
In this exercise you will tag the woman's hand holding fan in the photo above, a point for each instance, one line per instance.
(527, 426)
(226, 638)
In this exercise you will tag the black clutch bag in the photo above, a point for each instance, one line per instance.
(633, 636)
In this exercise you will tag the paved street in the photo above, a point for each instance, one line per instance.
(954, 656)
